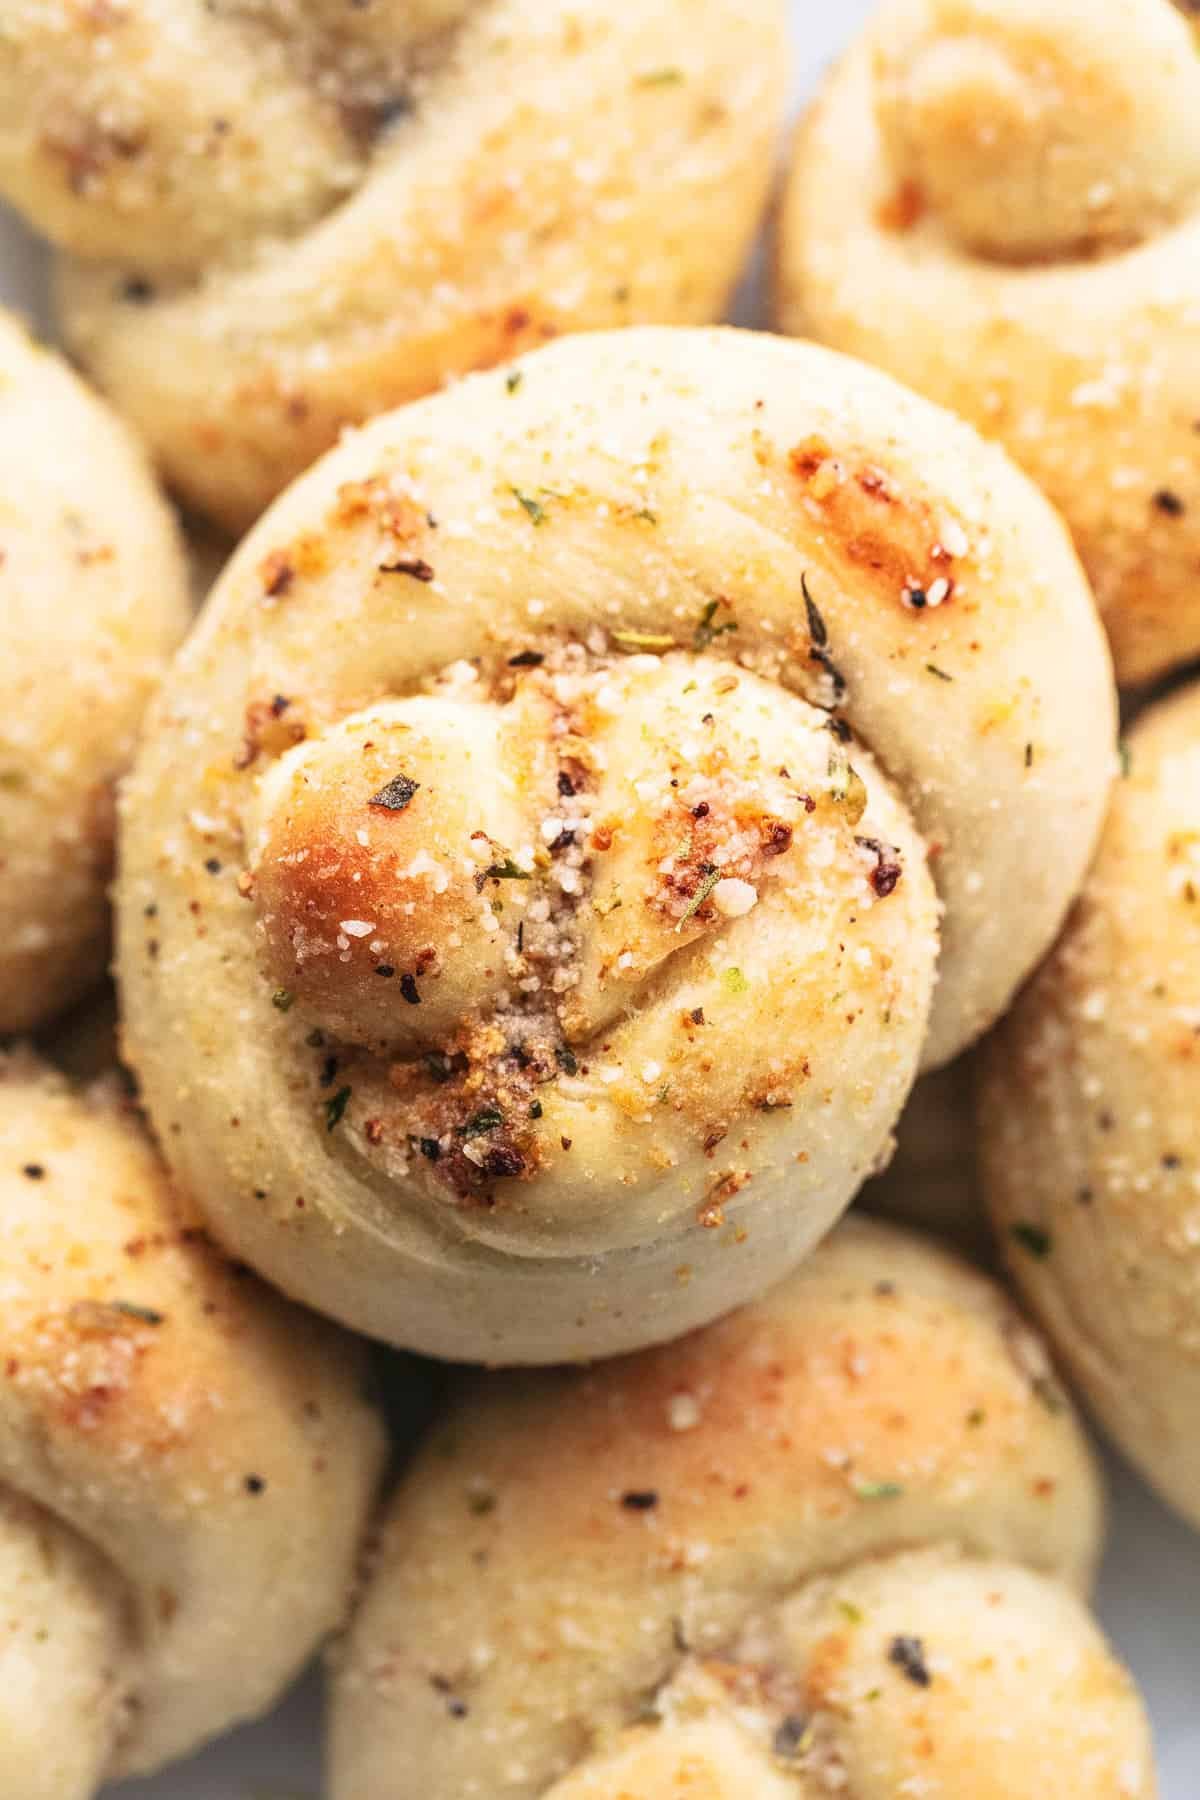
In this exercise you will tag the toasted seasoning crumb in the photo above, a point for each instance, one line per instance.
(213, 865)
(408, 987)
(283, 999)
(504, 1162)
(276, 573)
(415, 566)
(697, 1015)
(34, 1171)
(940, 673)
(526, 659)
(395, 794)
(1033, 1238)
(513, 380)
(535, 1109)
(430, 1149)
(1169, 502)
(976, 1417)
(793, 1738)
(336, 1107)
(480, 1500)
(908, 1655)
(385, 970)
(254, 1484)
(1029, 756)
(137, 290)
(888, 869)
(443, 1065)
(566, 1059)
(639, 1500)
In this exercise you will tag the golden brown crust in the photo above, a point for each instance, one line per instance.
(278, 219)
(999, 202)
(526, 945)
(666, 1537)
(204, 1441)
(1090, 1116)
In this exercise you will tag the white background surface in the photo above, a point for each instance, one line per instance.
(1149, 1594)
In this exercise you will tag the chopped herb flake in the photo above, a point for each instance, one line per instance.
(817, 630)
(734, 982)
(513, 380)
(940, 673)
(395, 794)
(145, 1315)
(486, 1119)
(283, 999)
(644, 640)
(878, 1490)
(792, 1739)
(660, 78)
(335, 1107)
(639, 1500)
(706, 631)
(1126, 758)
(711, 875)
(908, 1655)
(1033, 1238)
(507, 870)
(531, 507)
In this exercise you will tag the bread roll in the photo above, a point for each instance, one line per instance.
(831, 1544)
(998, 201)
(275, 219)
(528, 912)
(186, 1462)
(1090, 1116)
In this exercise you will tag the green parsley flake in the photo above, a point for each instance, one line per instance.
(711, 875)
(335, 1107)
(146, 1315)
(486, 1119)
(534, 508)
(1033, 1238)
(878, 1490)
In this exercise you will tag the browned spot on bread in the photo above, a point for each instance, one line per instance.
(881, 531)
(903, 208)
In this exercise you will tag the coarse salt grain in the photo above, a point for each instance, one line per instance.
(734, 898)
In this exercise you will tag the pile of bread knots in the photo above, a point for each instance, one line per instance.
(620, 758)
